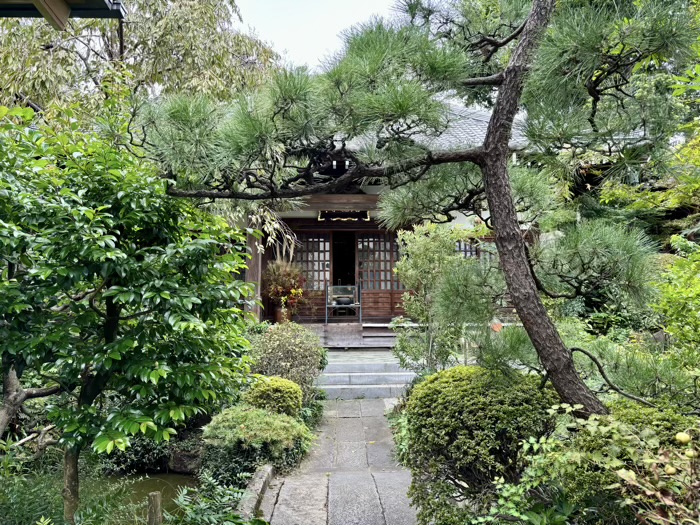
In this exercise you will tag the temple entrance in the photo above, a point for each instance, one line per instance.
(344, 245)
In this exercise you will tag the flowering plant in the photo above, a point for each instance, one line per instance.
(283, 282)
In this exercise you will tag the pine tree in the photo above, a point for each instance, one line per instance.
(593, 76)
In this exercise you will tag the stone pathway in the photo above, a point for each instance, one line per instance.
(350, 477)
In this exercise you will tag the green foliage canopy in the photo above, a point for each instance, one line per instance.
(126, 299)
(169, 47)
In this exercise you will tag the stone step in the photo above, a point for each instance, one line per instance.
(364, 391)
(361, 367)
(379, 340)
(365, 378)
(366, 332)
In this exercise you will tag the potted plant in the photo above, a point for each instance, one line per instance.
(283, 283)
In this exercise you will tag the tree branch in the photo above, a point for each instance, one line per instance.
(360, 171)
(33, 393)
(614, 387)
(491, 80)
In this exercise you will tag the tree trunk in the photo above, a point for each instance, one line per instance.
(71, 483)
(12, 395)
(555, 357)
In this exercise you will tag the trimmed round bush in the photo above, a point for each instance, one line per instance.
(464, 429)
(241, 438)
(276, 394)
(291, 351)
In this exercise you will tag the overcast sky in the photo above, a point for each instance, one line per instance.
(306, 31)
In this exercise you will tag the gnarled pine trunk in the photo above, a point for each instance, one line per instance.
(555, 357)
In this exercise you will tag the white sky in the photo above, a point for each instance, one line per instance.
(306, 31)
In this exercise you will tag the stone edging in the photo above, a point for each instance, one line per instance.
(254, 491)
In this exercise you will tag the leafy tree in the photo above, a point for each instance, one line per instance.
(121, 299)
(594, 77)
(447, 290)
(169, 46)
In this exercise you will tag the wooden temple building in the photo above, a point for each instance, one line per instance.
(348, 258)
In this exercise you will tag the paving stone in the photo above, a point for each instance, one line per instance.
(372, 407)
(349, 408)
(349, 429)
(380, 456)
(350, 477)
(330, 408)
(392, 488)
(326, 427)
(322, 454)
(270, 498)
(353, 500)
(351, 455)
(302, 500)
(376, 429)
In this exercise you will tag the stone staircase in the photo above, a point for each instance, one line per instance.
(369, 379)
(354, 335)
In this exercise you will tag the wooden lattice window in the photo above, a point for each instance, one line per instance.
(467, 249)
(377, 253)
(313, 254)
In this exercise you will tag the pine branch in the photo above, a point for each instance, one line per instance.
(491, 80)
(358, 172)
(605, 377)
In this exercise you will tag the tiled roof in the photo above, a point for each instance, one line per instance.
(466, 128)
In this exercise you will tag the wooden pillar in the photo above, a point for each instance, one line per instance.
(254, 273)
(155, 508)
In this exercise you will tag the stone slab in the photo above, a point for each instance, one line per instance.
(380, 456)
(348, 408)
(330, 408)
(390, 403)
(353, 500)
(302, 501)
(349, 429)
(270, 499)
(372, 407)
(322, 454)
(347, 368)
(255, 491)
(392, 488)
(376, 429)
(351, 455)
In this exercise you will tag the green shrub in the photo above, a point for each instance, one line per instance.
(465, 427)
(585, 463)
(665, 423)
(26, 498)
(241, 438)
(143, 455)
(290, 351)
(276, 394)
(207, 504)
(312, 413)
